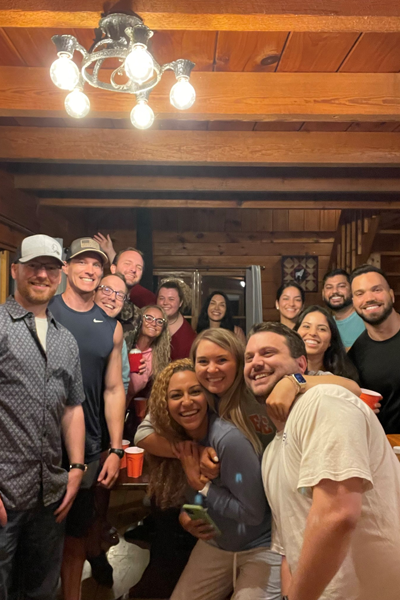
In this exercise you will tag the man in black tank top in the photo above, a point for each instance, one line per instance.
(99, 339)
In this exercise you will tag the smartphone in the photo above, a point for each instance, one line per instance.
(198, 512)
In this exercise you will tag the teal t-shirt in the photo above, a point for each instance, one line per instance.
(350, 329)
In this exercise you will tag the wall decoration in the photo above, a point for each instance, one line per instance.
(301, 269)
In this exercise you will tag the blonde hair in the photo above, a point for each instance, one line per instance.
(161, 345)
(167, 478)
(231, 402)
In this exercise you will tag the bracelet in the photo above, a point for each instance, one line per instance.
(80, 466)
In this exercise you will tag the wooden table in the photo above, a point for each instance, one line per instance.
(132, 483)
(394, 439)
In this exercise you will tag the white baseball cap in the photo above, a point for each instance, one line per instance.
(40, 245)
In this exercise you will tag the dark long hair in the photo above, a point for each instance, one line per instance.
(204, 320)
(335, 358)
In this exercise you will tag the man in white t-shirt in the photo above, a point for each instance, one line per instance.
(332, 481)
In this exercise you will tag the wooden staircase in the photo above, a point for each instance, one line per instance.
(387, 244)
(354, 240)
(362, 233)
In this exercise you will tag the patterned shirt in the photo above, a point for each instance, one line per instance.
(130, 318)
(35, 387)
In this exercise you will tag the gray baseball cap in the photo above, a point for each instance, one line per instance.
(82, 245)
(39, 245)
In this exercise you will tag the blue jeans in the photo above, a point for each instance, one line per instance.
(31, 548)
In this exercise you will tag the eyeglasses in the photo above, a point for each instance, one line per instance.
(51, 269)
(150, 319)
(107, 291)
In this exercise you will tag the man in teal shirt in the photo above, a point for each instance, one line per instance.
(336, 293)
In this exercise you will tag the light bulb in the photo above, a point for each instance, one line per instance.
(142, 115)
(182, 94)
(64, 73)
(77, 104)
(243, 284)
(139, 64)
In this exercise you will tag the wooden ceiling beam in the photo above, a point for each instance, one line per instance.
(29, 92)
(235, 15)
(217, 148)
(328, 204)
(125, 183)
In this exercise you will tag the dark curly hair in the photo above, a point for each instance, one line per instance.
(167, 481)
(204, 320)
(335, 358)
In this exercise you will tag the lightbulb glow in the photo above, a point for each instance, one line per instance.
(182, 94)
(64, 73)
(77, 104)
(142, 116)
(139, 64)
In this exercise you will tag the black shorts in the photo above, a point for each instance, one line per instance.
(83, 511)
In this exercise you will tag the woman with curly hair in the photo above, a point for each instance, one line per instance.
(154, 343)
(239, 559)
(217, 312)
(173, 296)
(325, 350)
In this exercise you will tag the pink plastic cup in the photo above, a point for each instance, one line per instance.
(125, 444)
(370, 397)
(134, 461)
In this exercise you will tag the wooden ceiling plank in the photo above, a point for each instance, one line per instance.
(223, 204)
(370, 127)
(374, 53)
(235, 15)
(278, 126)
(9, 55)
(198, 46)
(315, 52)
(249, 50)
(35, 45)
(125, 183)
(327, 126)
(200, 148)
(223, 96)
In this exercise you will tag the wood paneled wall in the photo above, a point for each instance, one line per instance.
(231, 238)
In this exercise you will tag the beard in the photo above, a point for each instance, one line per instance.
(377, 319)
(36, 296)
(335, 308)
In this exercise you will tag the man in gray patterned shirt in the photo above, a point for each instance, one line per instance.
(41, 394)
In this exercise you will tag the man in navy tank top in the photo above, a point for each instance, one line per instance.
(99, 339)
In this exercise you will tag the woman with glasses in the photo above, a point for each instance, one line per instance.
(154, 343)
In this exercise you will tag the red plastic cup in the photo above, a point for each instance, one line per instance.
(125, 444)
(135, 356)
(140, 407)
(134, 461)
(370, 397)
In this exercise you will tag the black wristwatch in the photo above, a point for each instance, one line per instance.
(80, 466)
(118, 451)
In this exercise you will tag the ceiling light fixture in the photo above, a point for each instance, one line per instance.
(124, 37)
